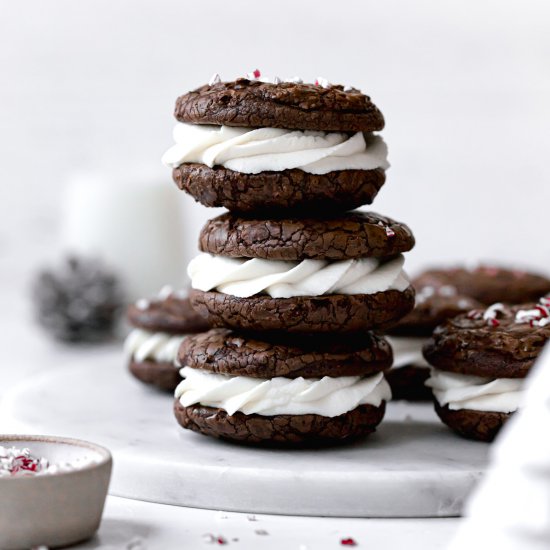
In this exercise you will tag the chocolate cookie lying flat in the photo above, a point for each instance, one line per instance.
(300, 106)
(159, 326)
(494, 347)
(337, 313)
(489, 284)
(283, 429)
(337, 237)
(288, 190)
(226, 352)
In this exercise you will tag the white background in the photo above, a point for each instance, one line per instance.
(464, 86)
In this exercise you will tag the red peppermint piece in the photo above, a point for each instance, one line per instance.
(221, 540)
(348, 542)
(257, 73)
(493, 322)
(543, 311)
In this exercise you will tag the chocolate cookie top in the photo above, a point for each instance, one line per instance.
(489, 284)
(226, 352)
(291, 105)
(170, 312)
(341, 237)
(434, 304)
(499, 342)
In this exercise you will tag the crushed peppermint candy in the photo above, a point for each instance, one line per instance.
(323, 82)
(539, 316)
(348, 542)
(389, 231)
(491, 313)
(214, 79)
(21, 463)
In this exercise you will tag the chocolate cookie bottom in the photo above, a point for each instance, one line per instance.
(284, 429)
(164, 376)
(407, 383)
(273, 191)
(337, 313)
(478, 425)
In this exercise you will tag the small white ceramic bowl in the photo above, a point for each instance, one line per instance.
(54, 509)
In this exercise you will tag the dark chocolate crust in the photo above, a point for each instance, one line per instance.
(489, 284)
(407, 383)
(225, 352)
(336, 313)
(172, 315)
(254, 104)
(164, 376)
(284, 429)
(294, 189)
(473, 346)
(341, 237)
(478, 425)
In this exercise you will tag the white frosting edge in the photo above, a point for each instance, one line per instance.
(407, 350)
(464, 391)
(161, 347)
(281, 279)
(327, 396)
(250, 151)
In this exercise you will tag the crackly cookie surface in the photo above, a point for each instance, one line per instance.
(224, 351)
(488, 284)
(307, 429)
(336, 313)
(330, 237)
(288, 190)
(499, 342)
(164, 376)
(471, 424)
(256, 104)
(171, 314)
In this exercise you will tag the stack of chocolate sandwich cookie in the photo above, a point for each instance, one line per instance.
(294, 282)
(444, 293)
(159, 326)
(480, 360)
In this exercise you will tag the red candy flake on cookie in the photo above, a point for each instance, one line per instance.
(348, 542)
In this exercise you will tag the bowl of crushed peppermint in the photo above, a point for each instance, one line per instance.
(52, 490)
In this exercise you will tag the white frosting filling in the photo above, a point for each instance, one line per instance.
(280, 279)
(463, 391)
(326, 396)
(251, 151)
(141, 345)
(407, 351)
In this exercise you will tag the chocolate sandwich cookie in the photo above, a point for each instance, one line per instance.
(480, 360)
(290, 105)
(252, 145)
(329, 274)
(489, 284)
(282, 390)
(433, 306)
(159, 327)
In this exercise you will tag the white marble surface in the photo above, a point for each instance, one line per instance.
(135, 525)
(411, 467)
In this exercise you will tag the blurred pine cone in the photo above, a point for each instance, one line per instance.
(78, 302)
